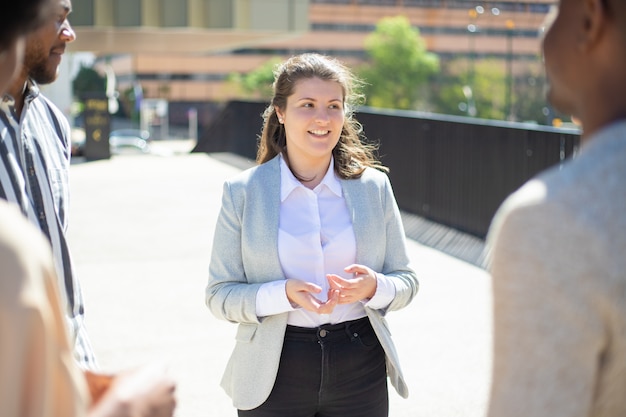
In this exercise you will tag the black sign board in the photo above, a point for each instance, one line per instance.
(97, 127)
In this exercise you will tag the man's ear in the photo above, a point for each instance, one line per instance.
(595, 21)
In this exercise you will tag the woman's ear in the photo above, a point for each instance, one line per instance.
(279, 114)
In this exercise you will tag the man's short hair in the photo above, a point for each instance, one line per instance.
(21, 17)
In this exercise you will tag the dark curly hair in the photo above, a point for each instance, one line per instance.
(351, 154)
(21, 17)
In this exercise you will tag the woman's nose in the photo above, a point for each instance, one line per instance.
(322, 116)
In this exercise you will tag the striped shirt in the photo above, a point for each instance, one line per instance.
(34, 168)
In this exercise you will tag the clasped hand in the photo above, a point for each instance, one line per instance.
(341, 291)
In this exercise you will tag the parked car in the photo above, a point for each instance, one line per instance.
(124, 140)
(78, 141)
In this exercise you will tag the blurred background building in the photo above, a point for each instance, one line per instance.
(184, 51)
(175, 68)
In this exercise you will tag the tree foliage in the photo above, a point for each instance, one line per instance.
(399, 65)
(486, 83)
(88, 80)
(489, 90)
(257, 83)
(399, 73)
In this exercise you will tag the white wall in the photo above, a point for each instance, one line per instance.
(60, 91)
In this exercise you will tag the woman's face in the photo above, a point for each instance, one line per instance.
(11, 63)
(313, 118)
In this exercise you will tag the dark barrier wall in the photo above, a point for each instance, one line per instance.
(457, 171)
(235, 129)
(453, 170)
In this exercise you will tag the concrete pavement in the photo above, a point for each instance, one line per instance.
(141, 229)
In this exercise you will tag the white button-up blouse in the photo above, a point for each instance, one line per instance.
(315, 238)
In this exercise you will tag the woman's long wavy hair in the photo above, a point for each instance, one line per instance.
(351, 154)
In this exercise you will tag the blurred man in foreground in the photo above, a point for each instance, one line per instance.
(558, 244)
(35, 156)
(38, 374)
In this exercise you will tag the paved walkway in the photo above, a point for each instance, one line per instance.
(141, 230)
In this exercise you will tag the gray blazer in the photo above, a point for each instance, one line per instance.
(245, 255)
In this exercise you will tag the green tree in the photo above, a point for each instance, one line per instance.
(529, 98)
(128, 104)
(447, 89)
(483, 97)
(489, 90)
(399, 66)
(257, 83)
(88, 80)
(455, 93)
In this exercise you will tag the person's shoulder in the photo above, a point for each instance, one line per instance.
(256, 173)
(545, 200)
(22, 245)
(54, 110)
(45, 108)
(11, 219)
(594, 174)
(374, 176)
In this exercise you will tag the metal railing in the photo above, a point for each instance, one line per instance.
(455, 171)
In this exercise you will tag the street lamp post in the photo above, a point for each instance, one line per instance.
(473, 29)
(469, 97)
(510, 25)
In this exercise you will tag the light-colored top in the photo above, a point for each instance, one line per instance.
(315, 238)
(559, 286)
(38, 375)
(34, 174)
(245, 257)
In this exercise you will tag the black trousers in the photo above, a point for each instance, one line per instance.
(330, 371)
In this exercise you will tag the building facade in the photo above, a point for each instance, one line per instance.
(184, 50)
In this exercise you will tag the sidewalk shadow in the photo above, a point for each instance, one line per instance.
(445, 239)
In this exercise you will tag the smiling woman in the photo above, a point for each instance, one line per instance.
(351, 154)
(309, 255)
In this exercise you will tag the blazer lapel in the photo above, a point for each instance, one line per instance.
(357, 202)
(266, 218)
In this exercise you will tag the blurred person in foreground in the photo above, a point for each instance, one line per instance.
(38, 374)
(27, 276)
(558, 245)
(35, 158)
(309, 256)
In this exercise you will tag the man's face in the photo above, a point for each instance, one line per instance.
(45, 46)
(560, 57)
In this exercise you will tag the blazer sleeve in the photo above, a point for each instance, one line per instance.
(397, 263)
(229, 295)
(381, 237)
